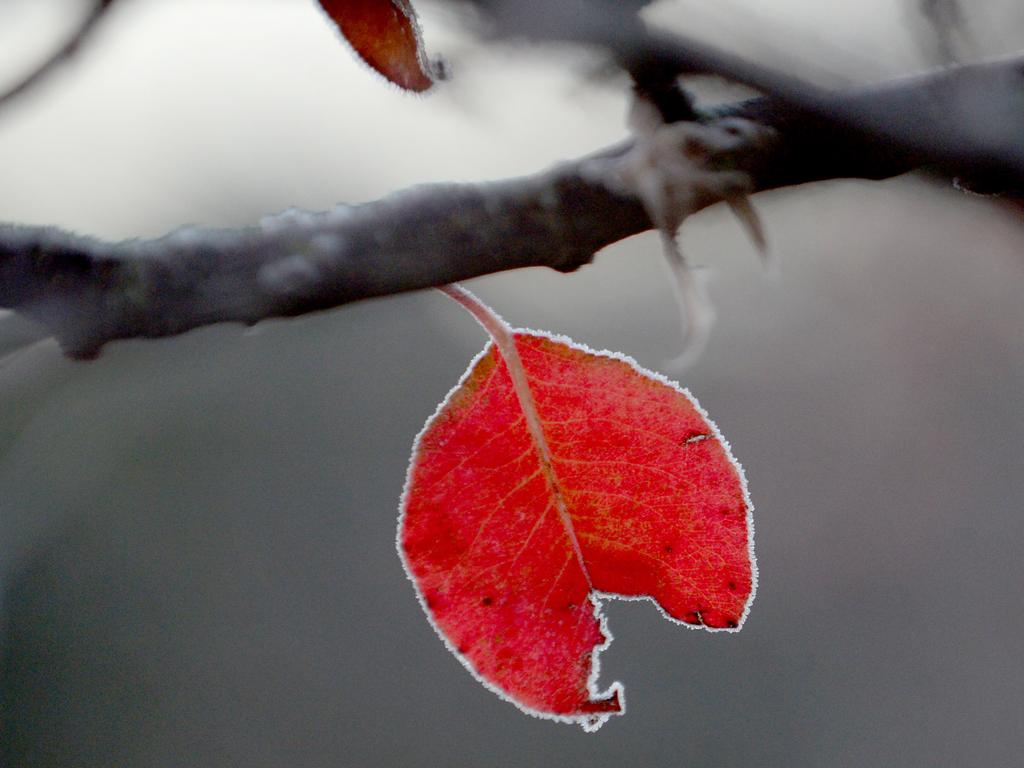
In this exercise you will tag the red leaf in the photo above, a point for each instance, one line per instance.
(512, 536)
(386, 36)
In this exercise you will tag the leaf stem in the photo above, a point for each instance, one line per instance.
(504, 339)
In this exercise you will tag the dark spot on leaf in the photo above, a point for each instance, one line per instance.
(732, 624)
(487, 600)
(463, 649)
(668, 547)
(732, 585)
(570, 606)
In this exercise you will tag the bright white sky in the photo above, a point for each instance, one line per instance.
(175, 99)
(178, 106)
(215, 111)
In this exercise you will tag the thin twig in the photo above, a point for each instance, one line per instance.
(62, 54)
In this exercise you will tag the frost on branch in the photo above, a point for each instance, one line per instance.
(677, 169)
(553, 477)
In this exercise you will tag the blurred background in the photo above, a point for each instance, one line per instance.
(197, 561)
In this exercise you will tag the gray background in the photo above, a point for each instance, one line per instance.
(197, 556)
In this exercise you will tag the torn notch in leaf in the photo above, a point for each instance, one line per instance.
(386, 35)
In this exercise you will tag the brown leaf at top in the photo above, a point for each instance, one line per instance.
(386, 35)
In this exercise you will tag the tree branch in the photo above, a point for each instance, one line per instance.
(967, 117)
(965, 120)
(87, 292)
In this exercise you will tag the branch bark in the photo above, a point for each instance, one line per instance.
(87, 292)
